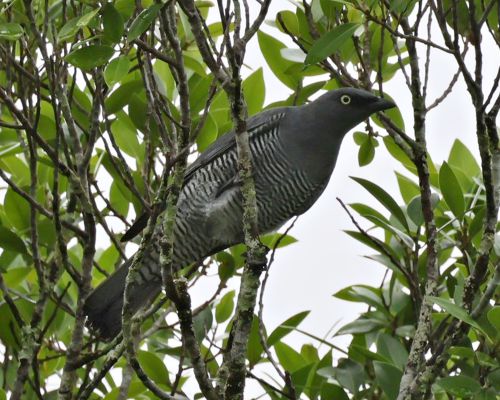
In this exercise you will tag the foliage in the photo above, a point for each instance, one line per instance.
(93, 100)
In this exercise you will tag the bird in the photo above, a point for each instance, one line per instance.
(294, 150)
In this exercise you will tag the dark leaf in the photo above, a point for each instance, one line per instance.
(286, 327)
(89, 57)
(460, 385)
(330, 43)
(224, 309)
(451, 190)
(10, 31)
(116, 70)
(388, 377)
(113, 23)
(142, 21)
(385, 199)
(11, 242)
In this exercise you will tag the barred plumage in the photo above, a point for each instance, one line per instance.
(294, 151)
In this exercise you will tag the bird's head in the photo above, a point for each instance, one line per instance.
(345, 108)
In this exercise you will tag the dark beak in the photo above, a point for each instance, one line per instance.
(383, 104)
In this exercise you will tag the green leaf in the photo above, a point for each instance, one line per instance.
(461, 157)
(126, 138)
(153, 366)
(451, 190)
(113, 23)
(119, 202)
(349, 374)
(270, 240)
(388, 377)
(194, 65)
(207, 134)
(364, 210)
(330, 43)
(254, 347)
(404, 238)
(224, 309)
(361, 325)
(89, 57)
(494, 317)
(116, 70)
(460, 385)
(10, 149)
(85, 19)
(414, 209)
(408, 188)
(202, 323)
(10, 31)
(271, 50)
(399, 154)
(288, 357)
(385, 199)
(393, 350)
(17, 210)
(290, 21)
(69, 30)
(456, 311)
(254, 91)
(121, 96)
(362, 294)
(11, 242)
(286, 327)
(366, 152)
(142, 21)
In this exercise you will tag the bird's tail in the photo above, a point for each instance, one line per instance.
(103, 306)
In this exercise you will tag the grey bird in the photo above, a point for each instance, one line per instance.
(294, 151)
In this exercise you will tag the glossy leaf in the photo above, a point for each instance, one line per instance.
(224, 309)
(330, 43)
(116, 70)
(10, 31)
(456, 311)
(286, 327)
(451, 190)
(393, 350)
(384, 198)
(143, 21)
(11, 242)
(361, 325)
(271, 50)
(85, 19)
(153, 366)
(388, 377)
(254, 91)
(494, 317)
(89, 57)
(126, 138)
(288, 357)
(121, 96)
(113, 23)
(460, 385)
(366, 152)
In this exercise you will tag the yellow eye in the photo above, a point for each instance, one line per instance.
(345, 99)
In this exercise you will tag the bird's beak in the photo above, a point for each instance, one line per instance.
(383, 104)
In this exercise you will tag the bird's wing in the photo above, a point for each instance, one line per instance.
(256, 125)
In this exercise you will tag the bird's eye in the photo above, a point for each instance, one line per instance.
(345, 99)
